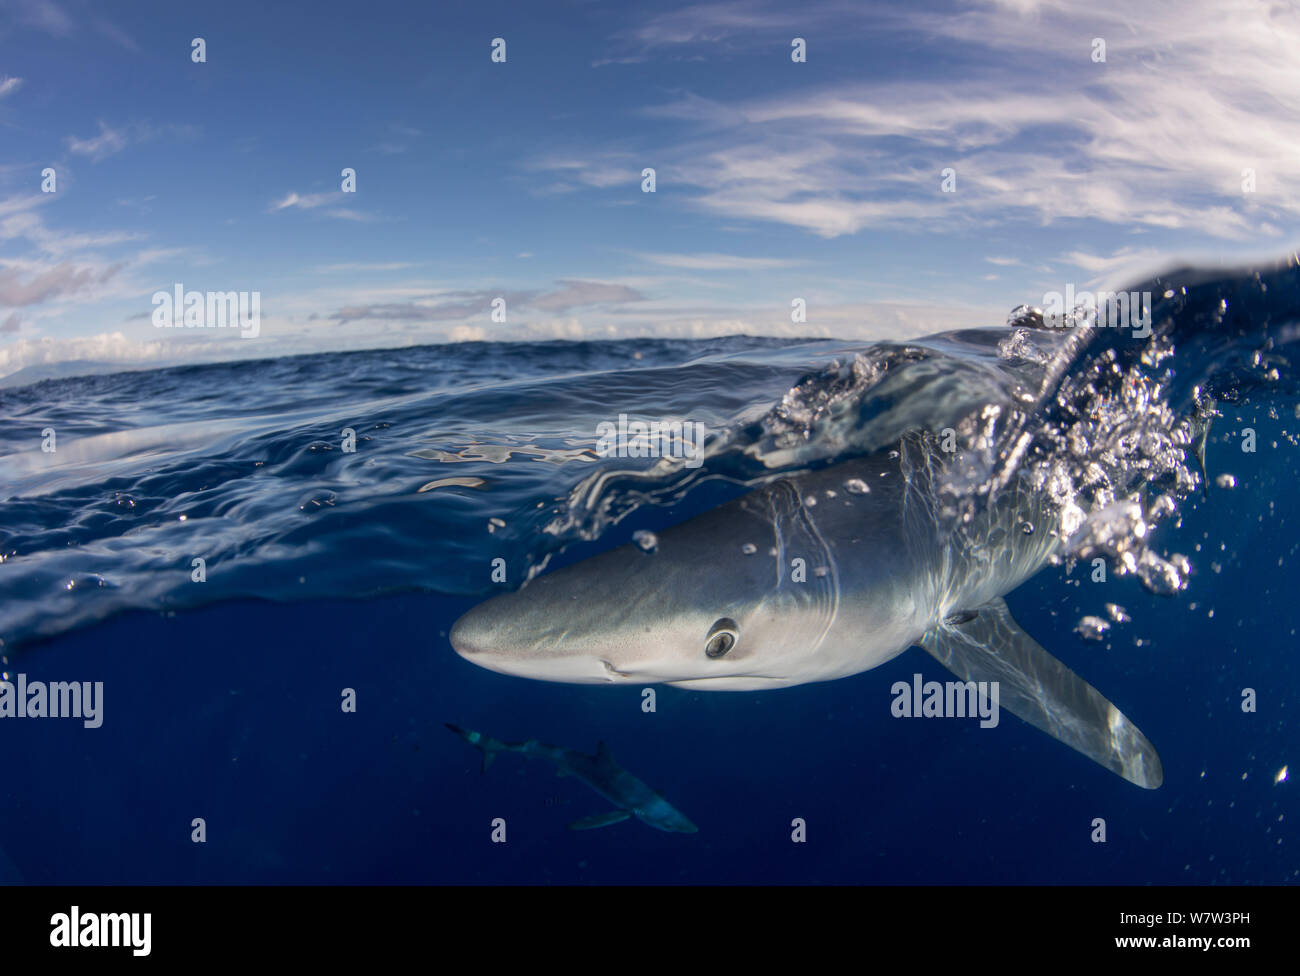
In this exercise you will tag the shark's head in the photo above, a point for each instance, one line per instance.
(717, 606)
(662, 815)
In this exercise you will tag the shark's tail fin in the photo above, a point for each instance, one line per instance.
(484, 743)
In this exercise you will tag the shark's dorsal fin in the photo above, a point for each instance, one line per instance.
(600, 820)
(1036, 687)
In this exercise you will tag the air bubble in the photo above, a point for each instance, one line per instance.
(1092, 628)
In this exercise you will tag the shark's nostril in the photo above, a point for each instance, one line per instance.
(611, 670)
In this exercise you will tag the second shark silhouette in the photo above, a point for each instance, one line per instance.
(631, 796)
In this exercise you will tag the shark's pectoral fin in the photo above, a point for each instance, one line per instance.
(1036, 687)
(600, 820)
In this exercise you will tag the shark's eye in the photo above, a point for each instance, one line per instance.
(722, 637)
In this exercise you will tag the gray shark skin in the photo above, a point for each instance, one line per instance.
(631, 796)
(721, 605)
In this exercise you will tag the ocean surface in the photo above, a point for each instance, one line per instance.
(347, 508)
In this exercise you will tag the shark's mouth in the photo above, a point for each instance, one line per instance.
(612, 671)
(735, 682)
(701, 681)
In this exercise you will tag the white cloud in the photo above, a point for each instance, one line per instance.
(607, 170)
(19, 204)
(116, 35)
(463, 305)
(19, 221)
(714, 262)
(110, 347)
(312, 201)
(48, 16)
(708, 23)
(1121, 259)
(45, 15)
(733, 23)
(575, 294)
(345, 213)
(9, 85)
(97, 147)
(307, 201)
(21, 285)
(112, 140)
(1157, 137)
(355, 267)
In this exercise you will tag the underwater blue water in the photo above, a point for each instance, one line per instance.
(329, 570)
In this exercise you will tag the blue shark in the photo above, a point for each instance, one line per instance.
(632, 797)
(717, 606)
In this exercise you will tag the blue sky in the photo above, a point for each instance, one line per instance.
(775, 180)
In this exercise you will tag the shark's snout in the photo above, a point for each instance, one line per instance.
(471, 635)
(496, 635)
